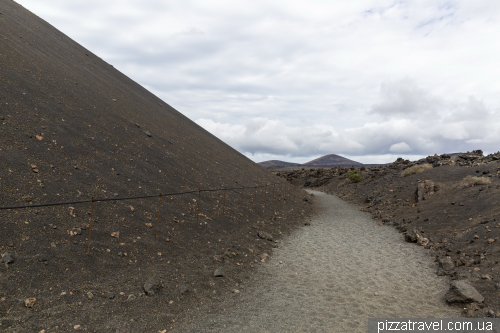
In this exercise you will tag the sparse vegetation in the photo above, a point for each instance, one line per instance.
(415, 169)
(342, 183)
(470, 181)
(355, 177)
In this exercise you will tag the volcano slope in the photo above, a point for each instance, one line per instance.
(72, 127)
(444, 208)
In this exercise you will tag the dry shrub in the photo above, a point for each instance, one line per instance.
(416, 169)
(345, 181)
(470, 181)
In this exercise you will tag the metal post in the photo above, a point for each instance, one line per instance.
(159, 209)
(241, 205)
(90, 227)
(198, 210)
(224, 202)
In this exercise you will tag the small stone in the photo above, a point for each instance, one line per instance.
(491, 313)
(219, 272)
(29, 302)
(497, 285)
(151, 286)
(236, 291)
(131, 297)
(265, 235)
(7, 258)
(90, 295)
(490, 240)
(264, 257)
(115, 234)
(110, 295)
(422, 241)
(183, 289)
(446, 263)
(120, 254)
(34, 168)
(77, 327)
(148, 134)
(149, 225)
(376, 294)
(486, 277)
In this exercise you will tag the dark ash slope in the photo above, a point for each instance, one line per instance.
(72, 127)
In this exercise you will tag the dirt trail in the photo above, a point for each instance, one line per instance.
(330, 277)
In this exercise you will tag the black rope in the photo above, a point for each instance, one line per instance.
(126, 198)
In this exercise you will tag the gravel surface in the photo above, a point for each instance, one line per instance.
(332, 276)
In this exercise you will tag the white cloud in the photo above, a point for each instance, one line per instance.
(298, 79)
(401, 147)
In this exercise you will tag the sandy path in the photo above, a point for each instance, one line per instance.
(335, 273)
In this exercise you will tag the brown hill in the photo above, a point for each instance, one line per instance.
(333, 160)
(72, 127)
(276, 163)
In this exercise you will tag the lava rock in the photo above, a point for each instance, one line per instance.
(183, 289)
(446, 263)
(151, 286)
(219, 272)
(7, 258)
(413, 235)
(424, 190)
(462, 292)
(265, 235)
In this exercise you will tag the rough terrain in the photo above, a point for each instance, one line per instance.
(438, 208)
(331, 276)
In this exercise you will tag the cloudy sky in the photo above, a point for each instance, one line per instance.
(370, 80)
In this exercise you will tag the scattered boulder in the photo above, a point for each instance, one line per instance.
(7, 258)
(446, 263)
(151, 286)
(413, 235)
(462, 292)
(265, 235)
(219, 272)
(424, 190)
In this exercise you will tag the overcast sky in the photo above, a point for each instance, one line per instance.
(294, 80)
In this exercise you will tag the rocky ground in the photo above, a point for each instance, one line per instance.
(329, 277)
(132, 281)
(439, 208)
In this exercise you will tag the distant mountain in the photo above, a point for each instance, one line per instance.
(333, 160)
(276, 163)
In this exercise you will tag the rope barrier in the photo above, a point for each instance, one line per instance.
(125, 198)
